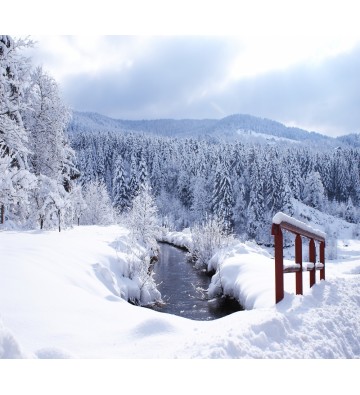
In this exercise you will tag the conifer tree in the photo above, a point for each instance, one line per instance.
(120, 193)
(142, 173)
(256, 207)
(313, 194)
(134, 186)
(222, 199)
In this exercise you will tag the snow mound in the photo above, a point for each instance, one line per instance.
(181, 239)
(236, 269)
(9, 347)
(53, 353)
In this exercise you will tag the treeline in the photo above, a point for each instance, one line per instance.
(243, 184)
(37, 163)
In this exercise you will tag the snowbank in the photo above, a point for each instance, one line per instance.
(9, 346)
(246, 272)
(181, 239)
(59, 298)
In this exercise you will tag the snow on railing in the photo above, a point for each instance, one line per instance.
(283, 221)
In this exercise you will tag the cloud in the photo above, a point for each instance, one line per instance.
(139, 77)
(322, 97)
(163, 80)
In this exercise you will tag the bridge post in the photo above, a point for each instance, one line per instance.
(312, 258)
(298, 259)
(279, 262)
(322, 260)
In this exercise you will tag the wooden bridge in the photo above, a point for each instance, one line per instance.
(281, 222)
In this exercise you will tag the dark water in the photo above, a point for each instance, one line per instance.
(183, 288)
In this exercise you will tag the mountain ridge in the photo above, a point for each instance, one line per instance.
(231, 127)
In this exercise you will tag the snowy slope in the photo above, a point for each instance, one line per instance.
(54, 305)
(243, 126)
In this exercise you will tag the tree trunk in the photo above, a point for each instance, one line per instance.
(41, 223)
(59, 220)
(2, 215)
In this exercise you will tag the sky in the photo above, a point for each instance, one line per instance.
(293, 62)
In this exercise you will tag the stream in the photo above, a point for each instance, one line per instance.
(183, 288)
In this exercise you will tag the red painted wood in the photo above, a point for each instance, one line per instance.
(276, 231)
(312, 258)
(298, 259)
(279, 263)
(322, 260)
(298, 231)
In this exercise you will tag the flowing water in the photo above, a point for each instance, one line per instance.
(183, 288)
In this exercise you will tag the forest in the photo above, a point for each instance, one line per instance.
(243, 184)
(52, 177)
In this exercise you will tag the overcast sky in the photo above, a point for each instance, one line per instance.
(304, 78)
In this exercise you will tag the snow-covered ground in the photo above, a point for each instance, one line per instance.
(54, 304)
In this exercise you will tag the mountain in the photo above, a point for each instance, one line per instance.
(352, 139)
(237, 126)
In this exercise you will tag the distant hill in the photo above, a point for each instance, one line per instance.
(352, 139)
(233, 127)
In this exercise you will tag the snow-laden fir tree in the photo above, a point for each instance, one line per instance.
(200, 206)
(256, 207)
(134, 186)
(143, 173)
(120, 192)
(313, 192)
(350, 212)
(184, 189)
(222, 202)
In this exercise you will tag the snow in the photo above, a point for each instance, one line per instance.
(60, 298)
(180, 239)
(281, 217)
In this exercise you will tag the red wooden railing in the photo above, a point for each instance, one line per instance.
(282, 221)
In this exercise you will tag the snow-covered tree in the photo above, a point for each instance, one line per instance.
(134, 186)
(99, 209)
(142, 219)
(46, 121)
(78, 202)
(200, 205)
(222, 202)
(256, 207)
(120, 191)
(15, 179)
(143, 173)
(350, 213)
(143, 223)
(313, 193)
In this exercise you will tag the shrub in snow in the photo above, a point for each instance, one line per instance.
(99, 209)
(207, 238)
(140, 271)
(143, 224)
(142, 219)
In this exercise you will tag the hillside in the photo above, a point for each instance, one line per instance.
(237, 126)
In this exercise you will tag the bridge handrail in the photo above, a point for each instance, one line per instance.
(297, 227)
(283, 221)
